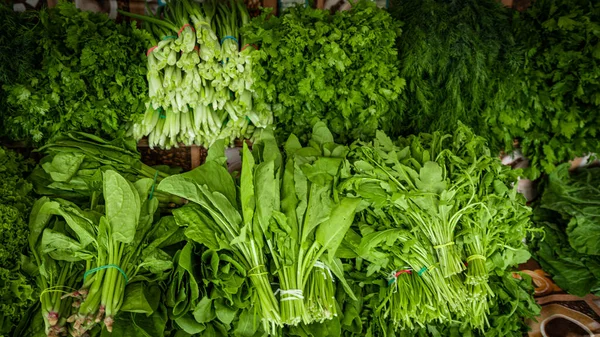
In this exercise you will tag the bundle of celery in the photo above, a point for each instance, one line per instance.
(199, 77)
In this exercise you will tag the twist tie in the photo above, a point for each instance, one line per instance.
(151, 195)
(476, 257)
(395, 274)
(249, 45)
(229, 37)
(107, 266)
(444, 245)
(184, 27)
(292, 294)
(169, 37)
(150, 50)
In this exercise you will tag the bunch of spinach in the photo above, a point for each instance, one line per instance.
(74, 163)
(94, 263)
(17, 289)
(221, 215)
(313, 65)
(569, 213)
(442, 220)
(552, 108)
(89, 76)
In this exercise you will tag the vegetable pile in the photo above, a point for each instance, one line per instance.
(341, 68)
(87, 75)
(569, 213)
(199, 76)
(17, 289)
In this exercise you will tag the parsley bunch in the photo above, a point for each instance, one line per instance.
(342, 68)
(90, 77)
(553, 108)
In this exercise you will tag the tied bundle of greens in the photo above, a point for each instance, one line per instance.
(310, 223)
(17, 289)
(224, 216)
(74, 162)
(94, 263)
(342, 68)
(87, 77)
(552, 107)
(199, 74)
(569, 214)
(441, 220)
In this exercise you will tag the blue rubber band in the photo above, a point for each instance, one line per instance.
(151, 195)
(91, 271)
(229, 37)
(169, 37)
(424, 269)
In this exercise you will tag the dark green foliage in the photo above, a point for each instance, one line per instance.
(552, 108)
(16, 289)
(451, 53)
(569, 213)
(88, 76)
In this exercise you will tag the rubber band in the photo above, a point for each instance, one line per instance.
(151, 195)
(107, 266)
(249, 45)
(150, 50)
(229, 37)
(319, 264)
(444, 245)
(183, 27)
(256, 267)
(420, 272)
(395, 274)
(169, 37)
(476, 257)
(55, 290)
(294, 294)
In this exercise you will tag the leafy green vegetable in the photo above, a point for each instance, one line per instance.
(341, 68)
(454, 56)
(17, 289)
(89, 77)
(569, 213)
(553, 102)
(441, 222)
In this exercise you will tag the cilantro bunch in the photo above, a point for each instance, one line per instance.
(16, 287)
(89, 76)
(553, 107)
(341, 68)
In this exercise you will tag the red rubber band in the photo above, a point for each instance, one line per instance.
(183, 27)
(405, 271)
(250, 45)
(150, 50)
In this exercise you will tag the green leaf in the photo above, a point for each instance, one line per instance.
(331, 232)
(122, 206)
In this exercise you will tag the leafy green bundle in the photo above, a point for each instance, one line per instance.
(94, 263)
(553, 107)
(199, 75)
(75, 162)
(569, 213)
(442, 221)
(89, 77)
(341, 68)
(454, 56)
(16, 287)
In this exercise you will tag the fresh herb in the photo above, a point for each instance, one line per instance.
(341, 68)
(89, 77)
